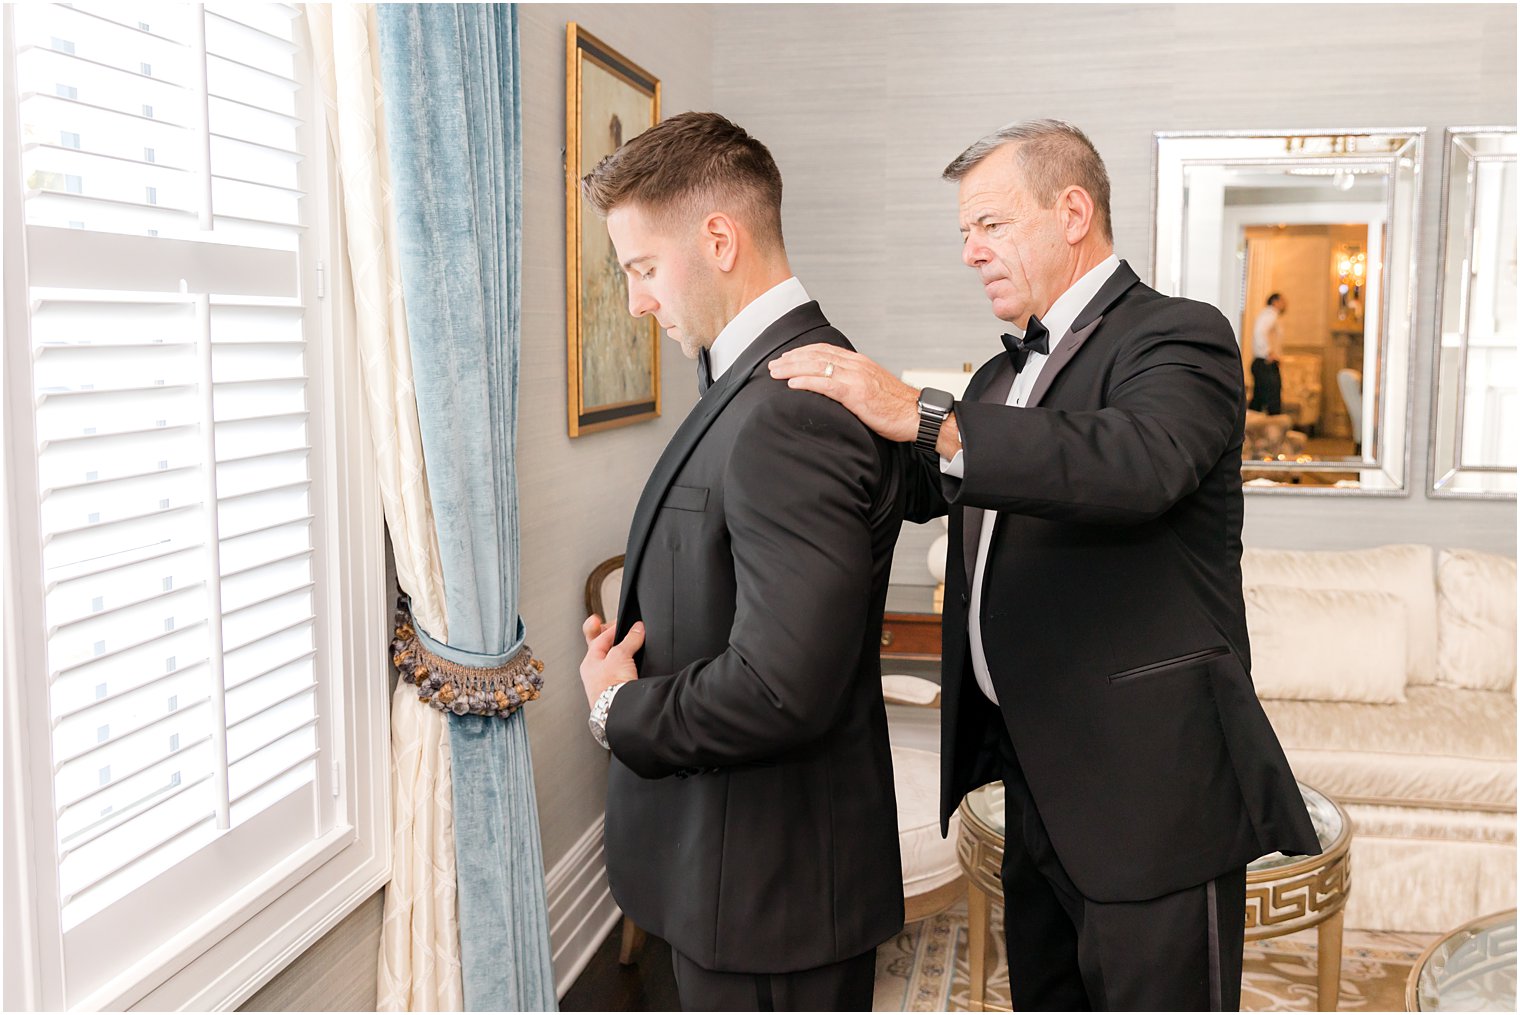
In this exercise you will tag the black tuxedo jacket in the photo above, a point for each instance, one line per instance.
(751, 819)
(1112, 615)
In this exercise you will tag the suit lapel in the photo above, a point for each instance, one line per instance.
(1000, 382)
(792, 325)
(1065, 351)
(1082, 329)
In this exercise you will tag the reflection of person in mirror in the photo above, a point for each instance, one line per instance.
(1266, 348)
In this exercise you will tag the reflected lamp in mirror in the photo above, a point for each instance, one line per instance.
(1306, 241)
(1475, 433)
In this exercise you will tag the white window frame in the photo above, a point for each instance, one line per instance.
(234, 949)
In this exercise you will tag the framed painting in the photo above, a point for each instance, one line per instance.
(614, 358)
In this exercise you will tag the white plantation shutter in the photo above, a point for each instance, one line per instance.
(164, 148)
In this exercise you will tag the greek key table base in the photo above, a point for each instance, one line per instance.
(1283, 894)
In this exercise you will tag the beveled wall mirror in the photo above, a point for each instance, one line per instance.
(1306, 241)
(1475, 432)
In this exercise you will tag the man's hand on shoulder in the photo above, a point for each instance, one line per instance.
(877, 398)
(606, 664)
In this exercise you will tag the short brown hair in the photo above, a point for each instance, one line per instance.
(1052, 155)
(691, 164)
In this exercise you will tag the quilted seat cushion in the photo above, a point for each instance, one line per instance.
(1443, 748)
(928, 860)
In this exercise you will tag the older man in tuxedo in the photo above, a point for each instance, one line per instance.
(1095, 649)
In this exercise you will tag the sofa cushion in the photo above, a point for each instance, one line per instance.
(1475, 620)
(1326, 644)
(1442, 748)
(1404, 571)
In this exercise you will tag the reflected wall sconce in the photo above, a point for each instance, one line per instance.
(1351, 275)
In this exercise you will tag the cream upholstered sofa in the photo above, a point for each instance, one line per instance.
(1389, 675)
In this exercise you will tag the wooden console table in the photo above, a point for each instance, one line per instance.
(910, 629)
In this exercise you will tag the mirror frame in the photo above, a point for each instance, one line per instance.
(1443, 475)
(1392, 462)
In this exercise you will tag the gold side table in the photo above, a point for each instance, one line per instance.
(980, 849)
(1284, 894)
(910, 628)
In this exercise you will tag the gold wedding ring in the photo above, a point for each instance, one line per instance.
(828, 370)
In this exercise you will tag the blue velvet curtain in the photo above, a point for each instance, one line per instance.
(450, 77)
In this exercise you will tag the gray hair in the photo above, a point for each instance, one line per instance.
(1052, 155)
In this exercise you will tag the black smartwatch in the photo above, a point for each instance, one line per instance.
(934, 406)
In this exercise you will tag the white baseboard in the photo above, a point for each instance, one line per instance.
(581, 910)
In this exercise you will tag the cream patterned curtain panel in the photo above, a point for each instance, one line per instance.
(419, 952)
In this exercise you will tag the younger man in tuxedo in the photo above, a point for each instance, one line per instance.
(751, 819)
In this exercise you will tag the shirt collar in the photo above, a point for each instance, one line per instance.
(1063, 313)
(759, 314)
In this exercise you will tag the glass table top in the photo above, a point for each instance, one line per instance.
(986, 805)
(1472, 969)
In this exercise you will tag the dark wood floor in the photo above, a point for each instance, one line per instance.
(647, 985)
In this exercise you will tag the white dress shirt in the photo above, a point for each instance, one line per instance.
(1063, 313)
(760, 313)
(1264, 331)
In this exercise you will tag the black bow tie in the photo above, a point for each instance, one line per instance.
(1036, 339)
(704, 372)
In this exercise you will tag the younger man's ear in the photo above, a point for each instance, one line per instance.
(720, 240)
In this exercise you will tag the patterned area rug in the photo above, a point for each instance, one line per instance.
(925, 969)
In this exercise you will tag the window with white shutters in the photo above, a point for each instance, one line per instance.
(165, 154)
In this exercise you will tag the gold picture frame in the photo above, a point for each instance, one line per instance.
(613, 358)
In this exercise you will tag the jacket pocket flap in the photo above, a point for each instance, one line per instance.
(686, 498)
(1168, 664)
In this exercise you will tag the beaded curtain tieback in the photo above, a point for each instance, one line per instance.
(464, 690)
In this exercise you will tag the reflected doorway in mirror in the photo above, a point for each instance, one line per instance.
(1327, 220)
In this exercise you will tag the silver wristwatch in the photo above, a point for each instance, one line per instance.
(934, 407)
(598, 718)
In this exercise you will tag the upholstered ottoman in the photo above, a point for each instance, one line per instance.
(931, 873)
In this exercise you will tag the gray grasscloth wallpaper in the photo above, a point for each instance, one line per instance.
(863, 106)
